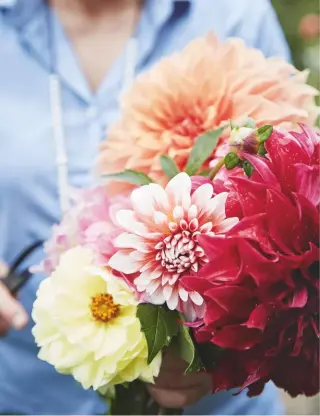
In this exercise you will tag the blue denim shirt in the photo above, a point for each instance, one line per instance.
(28, 178)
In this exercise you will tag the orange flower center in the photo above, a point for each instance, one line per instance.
(103, 308)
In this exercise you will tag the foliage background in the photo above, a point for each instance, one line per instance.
(305, 53)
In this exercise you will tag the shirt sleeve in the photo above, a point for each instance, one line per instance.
(270, 37)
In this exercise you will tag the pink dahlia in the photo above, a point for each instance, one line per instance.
(90, 222)
(261, 284)
(160, 242)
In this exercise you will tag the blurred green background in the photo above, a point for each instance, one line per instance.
(305, 48)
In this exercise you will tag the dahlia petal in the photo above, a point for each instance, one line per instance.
(261, 268)
(198, 284)
(148, 266)
(183, 294)
(226, 225)
(216, 206)
(156, 273)
(137, 256)
(128, 220)
(261, 166)
(254, 227)
(310, 139)
(157, 297)
(224, 258)
(202, 195)
(285, 153)
(235, 301)
(195, 324)
(127, 240)
(178, 190)
(198, 181)
(143, 194)
(299, 340)
(172, 302)
(159, 196)
(167, 292)
(122, 262)
(257, 375)
(206, 228)
(308, 222)
(160, 218)
(308, 182)
(178, 212)
(192, 212)
(236, 337)
(300, 298)
(143, 279)
(189, 311)
(282, 230)
(249, 195)
(259, 317)
(196, 298)
(315, 328)
(152, 287)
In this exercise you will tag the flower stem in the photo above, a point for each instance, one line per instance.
(216, 169)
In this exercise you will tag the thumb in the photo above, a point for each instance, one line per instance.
(3, 269)
(11, 310)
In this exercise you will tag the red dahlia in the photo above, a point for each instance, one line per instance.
(261, 285)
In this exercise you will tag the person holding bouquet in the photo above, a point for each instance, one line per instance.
(64, 66)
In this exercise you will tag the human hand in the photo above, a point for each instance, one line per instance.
(174, 389)
(12, 314)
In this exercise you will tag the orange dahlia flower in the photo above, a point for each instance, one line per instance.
(199, 89)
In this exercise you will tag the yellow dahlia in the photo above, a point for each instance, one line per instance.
(199, 89)
(86, 324)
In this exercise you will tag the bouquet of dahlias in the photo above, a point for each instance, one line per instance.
(204, 241)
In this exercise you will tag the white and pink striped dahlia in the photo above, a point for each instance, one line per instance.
(160, 242)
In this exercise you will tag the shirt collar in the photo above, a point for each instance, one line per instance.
(31, 25)
(19, 12)
(158, 10)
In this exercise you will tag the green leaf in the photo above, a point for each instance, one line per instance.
(169, 166)
(202, 150)
(131, 176)
(205, 172)
(262, 150)
(159, 326)
(248, 168)
(185, 348)
(231, 160)
(264, 132)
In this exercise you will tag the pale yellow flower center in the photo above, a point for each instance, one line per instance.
(103, 308)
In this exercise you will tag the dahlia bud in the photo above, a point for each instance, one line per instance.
(244, 139)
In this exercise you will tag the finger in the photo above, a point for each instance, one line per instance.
(3, 269)
(182, 381)
(172, 362)
(175, 398)
(4, 327)
(11, 310)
